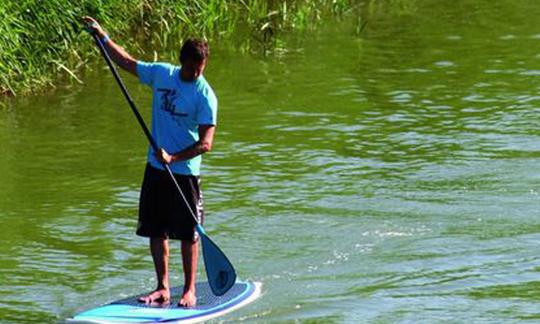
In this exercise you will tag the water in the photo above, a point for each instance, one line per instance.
(385, 174)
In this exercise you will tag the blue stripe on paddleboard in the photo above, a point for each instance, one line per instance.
(120, 311)
(235, 301)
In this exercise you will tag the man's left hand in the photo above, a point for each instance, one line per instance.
(164, 157)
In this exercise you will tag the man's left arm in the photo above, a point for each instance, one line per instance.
(206, 139)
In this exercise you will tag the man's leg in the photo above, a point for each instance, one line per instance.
(190, 257)
(159, 248)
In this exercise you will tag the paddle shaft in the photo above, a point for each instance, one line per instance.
(142, 123)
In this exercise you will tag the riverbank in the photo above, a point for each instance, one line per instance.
(42, 42)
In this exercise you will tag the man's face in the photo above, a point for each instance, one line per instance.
(192, 69)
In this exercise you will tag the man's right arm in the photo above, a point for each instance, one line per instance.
(116, 52)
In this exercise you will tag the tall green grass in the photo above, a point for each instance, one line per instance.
(42, 42)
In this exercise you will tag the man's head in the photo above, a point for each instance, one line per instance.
(193, 57)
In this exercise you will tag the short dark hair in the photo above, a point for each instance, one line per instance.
(195, 49)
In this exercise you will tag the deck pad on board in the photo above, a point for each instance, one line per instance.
(129, 310)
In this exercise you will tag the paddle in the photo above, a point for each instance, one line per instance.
(219, 270)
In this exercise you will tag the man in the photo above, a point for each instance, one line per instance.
(184, 112)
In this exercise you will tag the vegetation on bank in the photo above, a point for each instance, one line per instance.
(42, 41)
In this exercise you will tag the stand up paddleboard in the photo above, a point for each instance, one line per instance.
(209, 306)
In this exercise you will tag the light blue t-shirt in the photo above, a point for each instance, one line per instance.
(178, 108)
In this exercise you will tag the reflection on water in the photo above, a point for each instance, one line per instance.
(383, 175)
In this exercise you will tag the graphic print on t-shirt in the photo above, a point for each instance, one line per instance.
(168, 99)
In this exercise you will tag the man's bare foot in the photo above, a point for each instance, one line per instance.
(188, 299)
(157, 296)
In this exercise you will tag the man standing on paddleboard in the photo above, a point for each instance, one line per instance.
(184, 116)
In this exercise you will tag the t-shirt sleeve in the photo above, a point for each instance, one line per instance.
(208, 108)
(146, 72)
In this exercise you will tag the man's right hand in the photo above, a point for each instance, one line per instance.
(116, 53)
(93, 26)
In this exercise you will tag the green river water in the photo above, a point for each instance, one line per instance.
(384, 175)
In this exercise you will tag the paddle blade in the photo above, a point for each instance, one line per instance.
(219, 270)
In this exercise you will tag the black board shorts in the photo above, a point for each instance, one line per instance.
(163, 212)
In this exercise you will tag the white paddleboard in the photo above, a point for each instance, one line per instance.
(209, 306)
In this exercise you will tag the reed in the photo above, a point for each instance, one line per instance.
(42, 42)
